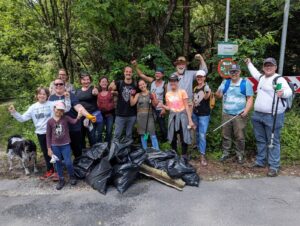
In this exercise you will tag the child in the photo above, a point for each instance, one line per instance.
(145, 119)
(58, 142)
(40, 112)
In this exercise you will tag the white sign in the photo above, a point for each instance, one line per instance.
(227, 49)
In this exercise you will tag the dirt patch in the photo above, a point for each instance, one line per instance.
(216, 170)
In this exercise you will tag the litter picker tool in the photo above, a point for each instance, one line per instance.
(224, 123)
(146, 135)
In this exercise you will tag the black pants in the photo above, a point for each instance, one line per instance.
(184, 146)
(76, 145)
(43, 144)
(162, 125)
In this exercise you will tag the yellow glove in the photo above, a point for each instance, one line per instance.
(92, 118)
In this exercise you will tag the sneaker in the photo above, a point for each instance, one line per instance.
(203, 160)
(55, 177)
(60, 184)
(224, 158)
(73, 180)
(195, 147)
(255, 165)
(240, 160)
(272, 173)
(47, 174)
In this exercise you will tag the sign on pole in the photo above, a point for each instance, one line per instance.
(227, 49)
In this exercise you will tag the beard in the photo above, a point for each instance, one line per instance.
(180, 70)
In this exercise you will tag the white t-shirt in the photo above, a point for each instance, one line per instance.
(265, 91)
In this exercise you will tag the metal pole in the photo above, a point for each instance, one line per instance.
(283, 35)
(227, 20)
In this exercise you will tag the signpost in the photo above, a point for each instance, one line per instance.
(227, 49)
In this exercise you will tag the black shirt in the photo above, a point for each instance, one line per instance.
(87, 99)
(201, 106)
(123, 105)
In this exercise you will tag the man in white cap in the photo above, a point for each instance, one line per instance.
(271, 89)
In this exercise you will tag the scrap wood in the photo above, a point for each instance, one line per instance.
(162, 177)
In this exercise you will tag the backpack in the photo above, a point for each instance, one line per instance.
(242, 86)
(286, 102)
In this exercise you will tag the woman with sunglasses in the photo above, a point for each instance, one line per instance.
(105, 102)
(63, 75)
(201, 112)
(87, 96)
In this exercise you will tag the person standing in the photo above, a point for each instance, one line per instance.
(180, 118)
(74, 129)
(201, 112)
(58, 142)
(87, 97)
(40, 112)
(125, 113)
(264, 113)
(145, 117)
(158, 87)
(237, 96)
(187, 77)
(105, 102)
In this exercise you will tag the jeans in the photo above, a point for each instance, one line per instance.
(154, 142)
(63, 152)
(108, 122)
(262, 125)
(162, 124)
(76, 143)
(234, 131)
(122, 123)
(43, 145)
(202, 125)
(94, 136)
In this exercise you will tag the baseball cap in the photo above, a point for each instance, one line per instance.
(173, 77)
(201, 73)
(60, 105)
(270, 60)
(235, 67)
(160, 69)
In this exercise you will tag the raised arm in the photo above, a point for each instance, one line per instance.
(140, 73)
(202, 63)
(252, 69)
(112, 86)
(21, 118)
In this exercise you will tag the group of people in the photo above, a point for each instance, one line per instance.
(61, 129)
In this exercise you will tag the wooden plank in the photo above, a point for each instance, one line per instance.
(162, 177)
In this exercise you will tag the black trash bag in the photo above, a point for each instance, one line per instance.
(125, 175)
(178, 167)
(100, 175)
(82, 165)
(137, 155)
(191, 179)
(97, 151)
(119, 149)
(159, 159)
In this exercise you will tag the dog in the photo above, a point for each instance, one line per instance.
(24, 150)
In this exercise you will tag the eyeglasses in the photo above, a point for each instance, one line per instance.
(59, 84)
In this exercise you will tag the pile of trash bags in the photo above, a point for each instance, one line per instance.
(119, 165)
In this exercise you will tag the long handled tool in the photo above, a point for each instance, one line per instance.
(224, 123)
(271, 145)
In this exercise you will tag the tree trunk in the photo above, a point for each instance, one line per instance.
(186, 28)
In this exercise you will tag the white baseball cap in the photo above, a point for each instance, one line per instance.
(60, 105)
(201, 73)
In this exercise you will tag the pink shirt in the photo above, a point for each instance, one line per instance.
(175, 100)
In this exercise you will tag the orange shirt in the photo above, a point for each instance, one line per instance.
(175, 100)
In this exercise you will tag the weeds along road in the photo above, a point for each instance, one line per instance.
(263, 201)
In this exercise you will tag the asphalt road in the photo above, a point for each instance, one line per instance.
(264, 201)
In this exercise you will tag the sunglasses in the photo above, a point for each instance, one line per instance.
(59, 84)
(233, 72)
